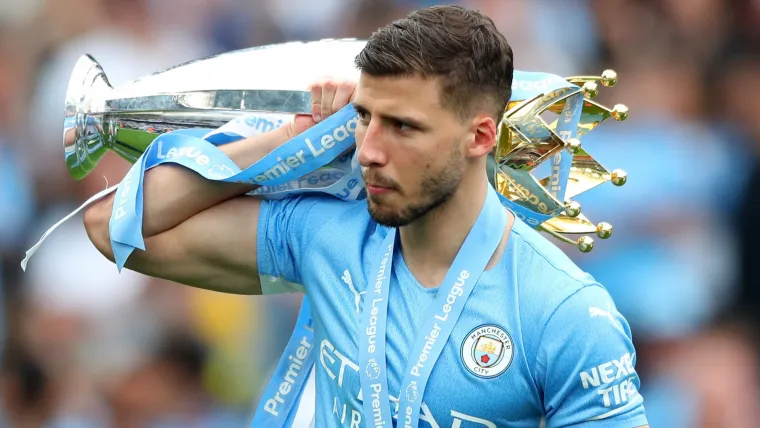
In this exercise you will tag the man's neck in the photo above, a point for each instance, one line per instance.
(431, 243)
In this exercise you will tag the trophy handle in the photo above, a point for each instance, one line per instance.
(83, 141)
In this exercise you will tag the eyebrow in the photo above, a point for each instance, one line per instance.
(394, 118)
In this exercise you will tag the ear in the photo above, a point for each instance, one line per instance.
(482, 136)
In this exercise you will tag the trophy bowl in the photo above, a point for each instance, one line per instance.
(204, 93)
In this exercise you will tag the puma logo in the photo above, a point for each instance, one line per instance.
(350, 283)
(594, 311)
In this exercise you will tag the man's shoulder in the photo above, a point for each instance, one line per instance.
(542, 267)
(546, 278)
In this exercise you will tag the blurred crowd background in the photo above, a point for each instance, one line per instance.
(84, 346)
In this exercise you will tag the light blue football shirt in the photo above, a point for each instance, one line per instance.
(538, 337)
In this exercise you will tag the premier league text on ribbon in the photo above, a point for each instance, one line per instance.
(378, 289)
(299, 158)
(377, 396)
(295, 370)
(122, 201)
(443, 315)
(315, 149)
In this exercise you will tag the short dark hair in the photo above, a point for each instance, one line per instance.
(462, 47)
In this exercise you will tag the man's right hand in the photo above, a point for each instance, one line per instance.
(327, 97)
(201, 232)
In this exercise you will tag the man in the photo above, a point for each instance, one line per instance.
(536, 337)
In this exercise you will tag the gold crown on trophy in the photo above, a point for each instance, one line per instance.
(528, 138)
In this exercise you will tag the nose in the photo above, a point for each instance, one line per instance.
(369, 141)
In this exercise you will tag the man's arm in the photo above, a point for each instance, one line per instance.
(200, 232)
(586, 365)
(197, 232)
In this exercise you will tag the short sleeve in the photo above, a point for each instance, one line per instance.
(586, 365)
(287, 227)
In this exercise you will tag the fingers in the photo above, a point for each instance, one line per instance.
(329, 87)
(315, 89)
(343, 95)
(329, 96)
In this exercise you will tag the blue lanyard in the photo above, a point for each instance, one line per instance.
(440, 319)
(280, 400)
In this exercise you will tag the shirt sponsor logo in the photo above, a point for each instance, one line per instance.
(614, 381)
(347, 412)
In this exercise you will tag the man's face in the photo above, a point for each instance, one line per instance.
(411, 149)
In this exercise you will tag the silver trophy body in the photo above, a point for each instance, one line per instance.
(205, 93)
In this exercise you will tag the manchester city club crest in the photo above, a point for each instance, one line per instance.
(487, 351)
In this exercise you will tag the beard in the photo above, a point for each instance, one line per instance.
(436, 188)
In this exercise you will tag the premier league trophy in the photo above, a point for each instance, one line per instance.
(270, 82)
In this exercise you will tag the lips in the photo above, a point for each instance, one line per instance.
(377, 184)
(377, 190)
